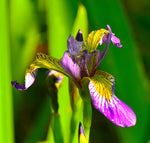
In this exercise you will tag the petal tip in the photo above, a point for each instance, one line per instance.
(17, 86)
(123, 115)
(116, 41)
(108, 28)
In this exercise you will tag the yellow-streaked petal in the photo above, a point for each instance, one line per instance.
(101, 87)
(94, 39)
(103, 83)
(47, 62)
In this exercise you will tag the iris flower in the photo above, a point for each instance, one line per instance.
(81, 62)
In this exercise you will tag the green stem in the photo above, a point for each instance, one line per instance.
(87, 118)
(76, 116)
(87, 109)
(58, 137)
(55, 122)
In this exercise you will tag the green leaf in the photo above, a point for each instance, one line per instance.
(6, 106)
(24, 34)
(40, 123)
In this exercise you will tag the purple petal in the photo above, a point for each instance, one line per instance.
(74, 46)
(104, 39)
(19, 87)
(70, 67)
(114, 109)
(108, 43)
(29, 80)
(79, 36)
(71, 44)
(116, 41)
(101, 87)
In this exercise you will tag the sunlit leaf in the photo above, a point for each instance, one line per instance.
(6, 107)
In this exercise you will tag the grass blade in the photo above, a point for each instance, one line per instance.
(6, 107)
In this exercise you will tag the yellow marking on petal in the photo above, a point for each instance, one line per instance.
(83, 139)
(94, 39)
(47, 62)
(103, 83)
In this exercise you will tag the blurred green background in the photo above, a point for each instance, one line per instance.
(31, 26)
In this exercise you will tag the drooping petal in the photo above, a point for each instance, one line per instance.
(48, 62)
(70, 66)
(81, 135)
(18, 86)
(101, 87)
(29, 80)
(42, 61)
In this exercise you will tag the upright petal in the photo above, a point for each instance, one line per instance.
(109, 35)
(42, 61)
(94, 39)
(74, 46)
(101, 87)
(70, 66)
